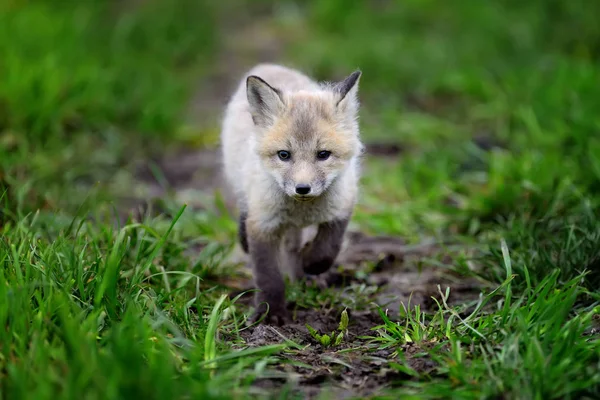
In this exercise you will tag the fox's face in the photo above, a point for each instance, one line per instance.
(305, 139)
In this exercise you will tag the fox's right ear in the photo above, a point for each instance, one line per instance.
(265, 101)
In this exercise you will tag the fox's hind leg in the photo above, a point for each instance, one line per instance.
(320, 254)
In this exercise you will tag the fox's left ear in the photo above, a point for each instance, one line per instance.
(348, 91)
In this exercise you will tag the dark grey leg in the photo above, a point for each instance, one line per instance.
(242, 232)
(320, 254)
(269, 282)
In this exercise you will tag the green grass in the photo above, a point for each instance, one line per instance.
(98, 309)
(91, 66)
(530, 344)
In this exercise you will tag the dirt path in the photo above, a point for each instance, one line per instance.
(357, 367)
(390, 270)
(372, 271)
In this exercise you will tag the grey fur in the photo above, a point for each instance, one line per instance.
(316, 258)
(264, 100)
(269, 281)
(293, 113)
(347, 84)
(321, 253)
(306, 114)
(242, 232)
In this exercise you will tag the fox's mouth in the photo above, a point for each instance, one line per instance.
(304, 198)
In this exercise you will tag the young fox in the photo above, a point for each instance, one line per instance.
(291, 151)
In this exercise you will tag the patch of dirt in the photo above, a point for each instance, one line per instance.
(357, 367)
(182, 170)
(387, 264)
(395, 272)
(398, 272)
(344, 371)
(248, 37)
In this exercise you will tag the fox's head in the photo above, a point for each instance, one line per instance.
(305, 139)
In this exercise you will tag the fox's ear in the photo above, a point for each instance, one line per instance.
(265, 101)
(348, 91)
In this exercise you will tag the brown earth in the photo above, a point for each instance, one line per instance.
(387, 266)
(392, 271)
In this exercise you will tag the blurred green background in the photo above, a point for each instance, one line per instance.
(86, 86)
(490, 109)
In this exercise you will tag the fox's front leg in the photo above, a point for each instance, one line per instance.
(291, 253)
(268, 279)
(242, 232)
(321, 253)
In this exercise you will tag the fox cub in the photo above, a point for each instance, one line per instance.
(291, 151)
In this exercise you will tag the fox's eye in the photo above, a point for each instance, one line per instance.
(323, 155)
(283, 155)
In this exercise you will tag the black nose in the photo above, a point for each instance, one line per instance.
(302, 189)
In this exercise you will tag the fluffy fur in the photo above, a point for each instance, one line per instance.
(277, 109)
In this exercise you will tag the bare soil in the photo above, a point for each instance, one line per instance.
(358, 367)
(397, 272)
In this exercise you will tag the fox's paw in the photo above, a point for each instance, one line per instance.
(319, 266)
(270, 309)
(278, 316)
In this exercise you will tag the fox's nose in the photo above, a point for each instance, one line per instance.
(302, 188)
